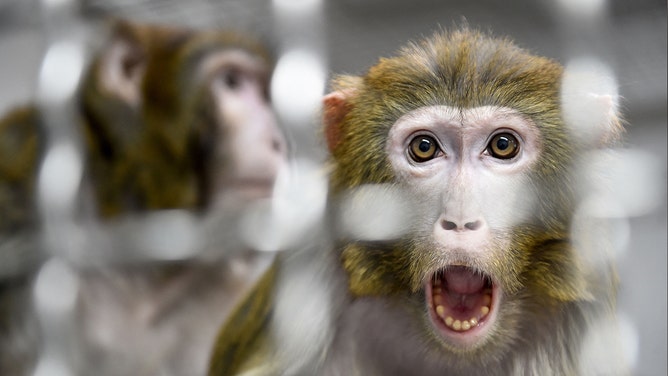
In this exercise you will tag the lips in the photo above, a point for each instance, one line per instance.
(254, 188)
(462, 303)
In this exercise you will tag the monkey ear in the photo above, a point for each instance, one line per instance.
(612, 124)
(336, 106)
(593, 117)
(590, 103)
(122, 64)
(335, 109)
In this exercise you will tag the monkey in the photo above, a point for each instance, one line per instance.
(463, 135)
(169, 118)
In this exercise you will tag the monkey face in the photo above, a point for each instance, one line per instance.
(469, 169)
(251, 149)
(463, 177)
(180, 118)
(477, 265)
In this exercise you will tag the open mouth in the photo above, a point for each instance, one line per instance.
(462, 303)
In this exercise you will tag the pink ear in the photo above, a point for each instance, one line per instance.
(336, 106)
(122, 65)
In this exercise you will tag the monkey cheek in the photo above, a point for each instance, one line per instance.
(247, 176)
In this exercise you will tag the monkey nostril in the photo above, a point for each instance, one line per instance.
(276, 145)
(448, 225)
(473, 225)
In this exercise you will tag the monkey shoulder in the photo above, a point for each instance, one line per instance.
(244, 340)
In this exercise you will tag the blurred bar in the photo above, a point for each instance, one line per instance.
(58, 184)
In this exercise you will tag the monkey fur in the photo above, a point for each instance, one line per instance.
(373, 303)
(160, 120)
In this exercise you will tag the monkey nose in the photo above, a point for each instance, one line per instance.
(469, 234)
(462, 225)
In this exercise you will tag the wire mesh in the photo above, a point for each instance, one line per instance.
(308, 35)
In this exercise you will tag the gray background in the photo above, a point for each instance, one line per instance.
(631, 37)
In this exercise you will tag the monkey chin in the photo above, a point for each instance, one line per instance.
(463, 305)
(239, 195)
(252, 189)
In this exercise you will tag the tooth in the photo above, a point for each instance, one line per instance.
(457, 325)
(438, 299)
(437, 290)
(440, 310)
(466, 325)
(473, 321)
(448, 321)
(484, 310)
(486, 300)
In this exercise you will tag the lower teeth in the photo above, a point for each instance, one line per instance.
(462, 325)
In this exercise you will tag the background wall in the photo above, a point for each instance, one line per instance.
(628, 35)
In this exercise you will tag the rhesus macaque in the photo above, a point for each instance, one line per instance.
(171, 119)
(483, 277)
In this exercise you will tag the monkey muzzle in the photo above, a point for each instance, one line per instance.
(462, 303)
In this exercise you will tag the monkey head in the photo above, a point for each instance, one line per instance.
(178, 118)
(470, 130)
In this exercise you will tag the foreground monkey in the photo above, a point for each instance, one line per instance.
(466, 132)
(171, 119)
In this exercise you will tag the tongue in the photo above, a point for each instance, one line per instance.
(463, 280)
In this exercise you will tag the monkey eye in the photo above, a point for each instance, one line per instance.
(231, 78)
(423, 148)
(503, 146)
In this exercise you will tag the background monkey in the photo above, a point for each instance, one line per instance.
(172, 119)
(484, 276)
